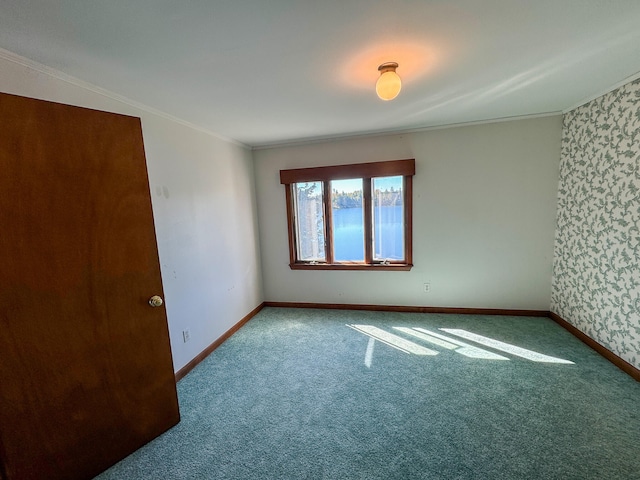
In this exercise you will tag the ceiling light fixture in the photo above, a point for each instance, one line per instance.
(389, 84)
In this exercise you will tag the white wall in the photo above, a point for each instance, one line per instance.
(203, 198)
(484, 217)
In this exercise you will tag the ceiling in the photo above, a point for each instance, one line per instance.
(266, 72)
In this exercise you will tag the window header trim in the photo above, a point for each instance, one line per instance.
(355, 170)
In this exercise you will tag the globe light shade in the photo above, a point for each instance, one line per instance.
(389, 84)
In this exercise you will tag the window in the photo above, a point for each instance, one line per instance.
(350, 217)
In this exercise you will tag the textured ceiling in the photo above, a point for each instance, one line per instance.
(266, 72)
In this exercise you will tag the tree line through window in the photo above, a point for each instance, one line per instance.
(350, 216)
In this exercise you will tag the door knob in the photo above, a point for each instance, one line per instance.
(155, 301)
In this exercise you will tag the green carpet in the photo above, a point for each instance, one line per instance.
(329, 394)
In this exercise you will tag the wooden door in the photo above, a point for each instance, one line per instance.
(86, 375)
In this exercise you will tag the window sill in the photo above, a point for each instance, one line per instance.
(401, 267)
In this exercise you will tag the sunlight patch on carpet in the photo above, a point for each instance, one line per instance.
(505, 347)
(461, 347)
(368, 356)
(392, 340)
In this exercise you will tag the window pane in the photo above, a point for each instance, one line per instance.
(309, 221)
(348, 220)
(388, 218)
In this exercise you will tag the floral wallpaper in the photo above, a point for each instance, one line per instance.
(596, 271)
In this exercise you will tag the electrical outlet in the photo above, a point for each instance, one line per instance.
(186, 335)
(426, 287)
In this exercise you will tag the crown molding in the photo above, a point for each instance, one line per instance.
(57, 74)
(621, 83)
(383, 133)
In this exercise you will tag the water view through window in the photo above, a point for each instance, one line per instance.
(348, 219)
(388, 218)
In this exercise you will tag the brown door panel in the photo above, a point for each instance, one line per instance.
(86, 375)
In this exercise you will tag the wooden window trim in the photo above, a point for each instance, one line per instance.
(408, 216)
(356, 170)
(328, 224)
(291, 224)
(398, 267)
(366, 171)
(368, 220)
